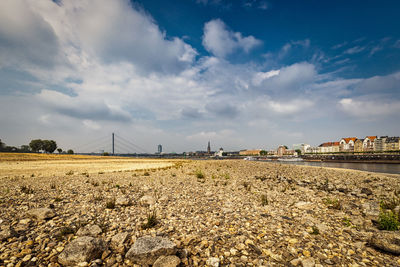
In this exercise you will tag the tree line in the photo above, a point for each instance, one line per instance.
(36, 145)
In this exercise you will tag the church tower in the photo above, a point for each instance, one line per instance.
(208, 148)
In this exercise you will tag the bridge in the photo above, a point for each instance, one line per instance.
(116, 144)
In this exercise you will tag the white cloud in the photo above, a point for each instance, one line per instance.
(288, 47)
(26, 38)
(84, 33)
(91, 124)
(221, 41)
(369, 109)
(290, 107)
(354, 50)
(259, 77)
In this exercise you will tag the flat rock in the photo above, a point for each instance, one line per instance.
(303, 205)
(147, 249)
(117, 242)
(122, 201)
(167, 261)
(6, 232)
(308, 262)
(82, 249)
(386, 241)
(371, 209)
(42, 213)
(213, 261)
(147, 201)
(89, 230)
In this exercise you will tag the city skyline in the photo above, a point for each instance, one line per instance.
(242, 74)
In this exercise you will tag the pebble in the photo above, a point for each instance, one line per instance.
(212, 220)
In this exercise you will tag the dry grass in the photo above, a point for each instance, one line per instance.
(44, 164)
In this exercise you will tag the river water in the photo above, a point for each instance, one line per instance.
(369, 167)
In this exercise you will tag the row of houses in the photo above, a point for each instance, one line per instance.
(281, 151)
(354, 144)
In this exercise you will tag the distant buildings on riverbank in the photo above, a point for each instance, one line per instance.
(344, 145)
(358, 145)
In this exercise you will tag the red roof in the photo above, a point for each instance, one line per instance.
(328, 144)
(347, 140)
(372, 138)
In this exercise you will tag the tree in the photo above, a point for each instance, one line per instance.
(263, 152)
(25, 148)
(59, 150)
(70, 151)
(36, 145)
(49, 146)
(2, 146)
(298, 151)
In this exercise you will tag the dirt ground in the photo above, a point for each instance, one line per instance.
(47, 165)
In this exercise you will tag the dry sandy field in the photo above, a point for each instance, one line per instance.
(214, 213)
(51, 165)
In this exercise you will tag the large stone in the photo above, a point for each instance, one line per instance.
(167, 261)
(82, 249)
(147, 201)
(42, 213)
(303, 205)
(213, 261)
(117, 242)
(89, 230)
(371, 209)
(308, 262)
(6, 232)
(146, 250)
(386, 241)
(122, 201)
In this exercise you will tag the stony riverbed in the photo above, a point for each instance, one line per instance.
(215, 213)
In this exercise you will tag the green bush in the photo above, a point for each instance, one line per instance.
(110, 204)
(151, 220)
(388, 220)
(199, 174)
(264, 200)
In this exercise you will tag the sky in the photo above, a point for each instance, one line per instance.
(242, 74)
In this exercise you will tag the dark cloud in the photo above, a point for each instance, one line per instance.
(191, 113)
(223, 110)
(25, 37)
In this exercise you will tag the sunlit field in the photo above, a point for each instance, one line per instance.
(48, 165)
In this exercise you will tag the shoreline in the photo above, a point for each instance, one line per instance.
(230, 212)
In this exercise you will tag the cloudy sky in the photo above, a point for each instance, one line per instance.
(242, 74)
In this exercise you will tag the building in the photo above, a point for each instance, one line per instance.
(328, 147)
(281, 151)
(380, 143)
(369, 143)
(253, 152)
(392, 143)
(159, 149)
(209, 148)
(302, 147)
(220, 153)
(347, 144)
(359, 145)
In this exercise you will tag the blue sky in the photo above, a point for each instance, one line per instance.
(242, 74)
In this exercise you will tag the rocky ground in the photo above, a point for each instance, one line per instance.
(215, 213)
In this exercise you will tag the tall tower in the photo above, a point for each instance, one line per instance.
(159, 149)
(113, 143)
(208, 148)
